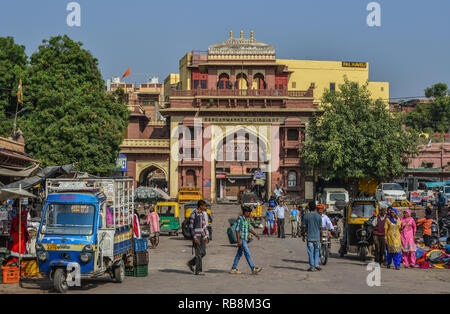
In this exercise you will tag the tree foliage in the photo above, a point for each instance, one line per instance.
(356, 137)
(13, 63)
(431, 117)
(71, 118)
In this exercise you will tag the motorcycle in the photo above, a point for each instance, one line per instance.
(364, 237)
(444, 227)
(325, 247)
(337, 230)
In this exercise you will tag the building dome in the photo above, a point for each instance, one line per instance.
(241, 46)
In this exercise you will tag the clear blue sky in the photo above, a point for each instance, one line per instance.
(411, 49)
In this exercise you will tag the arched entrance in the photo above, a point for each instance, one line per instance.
(238, 156)
(153, 176)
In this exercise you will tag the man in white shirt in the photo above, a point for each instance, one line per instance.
(280, 210)
(326, 222)
(278, 193)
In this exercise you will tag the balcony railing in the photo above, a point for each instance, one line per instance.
(291, 160)
(143, 103)
(240, 93)
(162, 143)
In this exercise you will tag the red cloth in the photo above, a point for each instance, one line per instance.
(14, 233)
(136, 227)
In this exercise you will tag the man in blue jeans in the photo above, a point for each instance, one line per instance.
(311, 227)
(243, 228)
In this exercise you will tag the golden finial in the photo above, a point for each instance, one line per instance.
(242, 34)
(231, 34)
(251, 34)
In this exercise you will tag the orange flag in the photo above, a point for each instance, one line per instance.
(126, 73)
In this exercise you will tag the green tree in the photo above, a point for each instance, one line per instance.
(432, 117)
(355, 137)
(71, 118)
(13, 63)
(437, 90)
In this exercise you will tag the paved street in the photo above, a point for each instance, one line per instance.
(284, 263)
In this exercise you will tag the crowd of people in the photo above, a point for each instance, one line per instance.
(394, 234)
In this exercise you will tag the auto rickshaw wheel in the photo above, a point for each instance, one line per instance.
(60, 281)
(119, 273)
(185, 229)
(363, 253)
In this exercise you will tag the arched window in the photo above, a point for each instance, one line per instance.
(292, 178)
(292, 135)
(258, 81)
(191, 178)
(224, 81)
(241, 81)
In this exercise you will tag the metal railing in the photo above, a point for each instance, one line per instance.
(240, 93)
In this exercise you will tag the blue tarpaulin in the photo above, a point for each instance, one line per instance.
(436, 184)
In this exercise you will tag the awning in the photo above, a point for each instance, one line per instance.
(45, 173)
(17, 172)
(431, 185)
(11, 154)
(239, 176)
(6, 194)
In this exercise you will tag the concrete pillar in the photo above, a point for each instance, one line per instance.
(173, 166)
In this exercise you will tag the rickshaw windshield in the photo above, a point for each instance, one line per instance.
(166, 211)
(362, 210)
(337, 196)
(68, 219)
(250, 198)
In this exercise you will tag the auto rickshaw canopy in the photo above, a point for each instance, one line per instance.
(361, 210)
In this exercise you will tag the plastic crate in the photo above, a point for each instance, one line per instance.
(10, 274)
(137, 271)
(140, 245)
(141, 258)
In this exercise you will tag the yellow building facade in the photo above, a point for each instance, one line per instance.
(324, 73)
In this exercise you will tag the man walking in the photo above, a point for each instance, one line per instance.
(311, 227)
(378, 236)
(243, 228)
(295, 214)
(280, 211)
(197, 226)
(153, 223)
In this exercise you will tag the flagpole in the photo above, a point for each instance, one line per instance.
(15, 119)
(19, 99)
(20, 233)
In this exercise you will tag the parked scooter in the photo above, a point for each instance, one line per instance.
(444, 227)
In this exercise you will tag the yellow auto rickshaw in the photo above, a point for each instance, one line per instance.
(358, 228)
(253, 201)
(188, 208)
(169, 217)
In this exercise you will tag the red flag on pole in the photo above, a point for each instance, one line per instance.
(126, 73)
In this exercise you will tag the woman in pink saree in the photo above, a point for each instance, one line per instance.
(407, 233)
